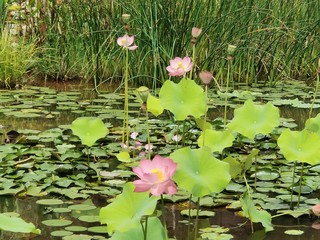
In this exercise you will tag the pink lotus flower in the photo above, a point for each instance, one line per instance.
(155, 176)
(178, 66)
(316, 210)
(126, 41)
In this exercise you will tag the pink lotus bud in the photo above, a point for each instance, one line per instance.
(206, 77)
(196, 32)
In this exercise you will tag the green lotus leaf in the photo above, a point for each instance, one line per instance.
(313, 124)
(16, 224)
(155, 230)
(183, 99)
(89, 129)
(154, 105)
(216, 140)
(125, 212)
(199, 172)
(251, 119)
(302, 146)
(250, 211)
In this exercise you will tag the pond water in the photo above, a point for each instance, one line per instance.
(40, 109)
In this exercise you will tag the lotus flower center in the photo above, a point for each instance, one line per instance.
(158, 173)
(180, 65)
(124, 41)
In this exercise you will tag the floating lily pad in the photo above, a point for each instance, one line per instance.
(49, 202)
(294, 232)
(56, 222)
(61, 233)
(193, 213)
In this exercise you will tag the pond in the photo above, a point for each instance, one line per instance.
(42, 159)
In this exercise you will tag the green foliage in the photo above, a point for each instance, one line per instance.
(183, 99)
(16, 224)
(301, 146)
(199, 172)
(89, 129)
(313, 124)
(252, 119)
(154, 105)
(17, 56)
(250, 211)
(216, 140)
(126, 211)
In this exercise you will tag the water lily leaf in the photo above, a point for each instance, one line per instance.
(193, 213)
(76, 228)
(56, 222)
(199, 172)
(89, 129)
(155, 230)
(251, 119)
(266, 174)
(183, 99)
(16, 224)
(98, 229)
(125, 212)
(49, 202)
(302, 146)
(61, 233)
(250, 211)
(154, 105)
(216, 140)
(294, 232)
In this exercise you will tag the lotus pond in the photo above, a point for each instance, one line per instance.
(59, 174)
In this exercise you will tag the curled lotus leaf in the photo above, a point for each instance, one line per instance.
(301, 146)
(313, 124)
(183, 99)
(216, 140)
(199, 172)
(252, 119)
(89, 129)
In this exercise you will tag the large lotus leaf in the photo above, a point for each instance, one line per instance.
(250, 211)
(183, 99)
(16, 224)
(155, 230)
(125, 212)
(216, 140)
(251, 119)
(154, 106)
(302, 146)
(199, 172)
(313, 124)
(89, 129)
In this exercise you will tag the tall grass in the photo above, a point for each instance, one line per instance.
(17, 57)
(275, 40)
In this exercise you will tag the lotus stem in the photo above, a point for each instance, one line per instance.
(164, 218)
(314, 96)
(197, 219)
(292, 184)
(226, 96)
(189, 216)
(300, 184)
